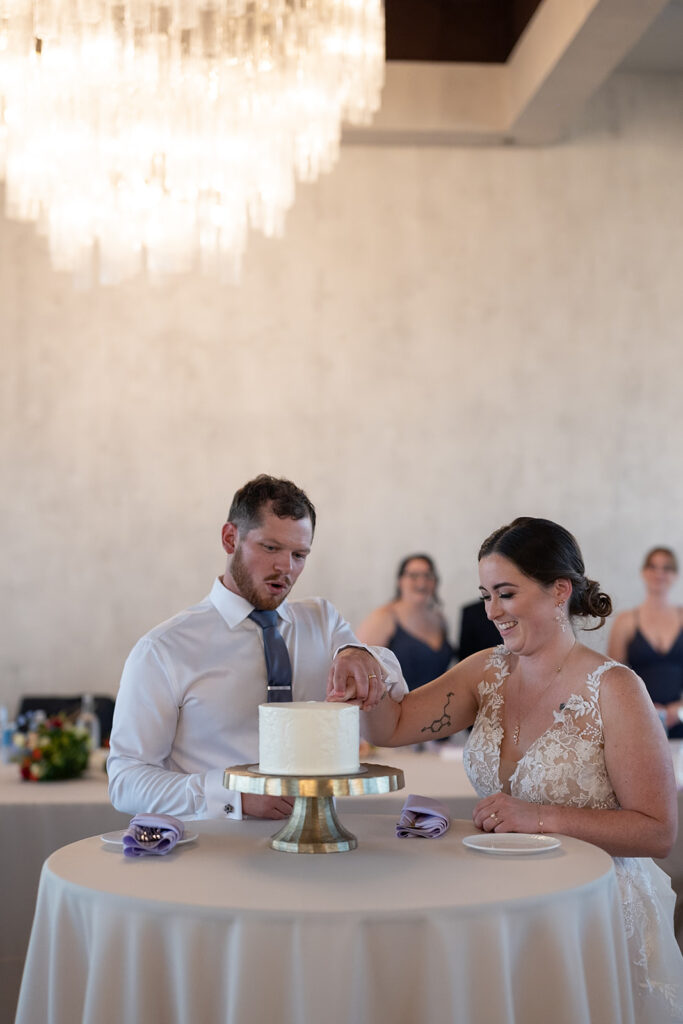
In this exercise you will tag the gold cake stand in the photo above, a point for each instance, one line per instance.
(313, 826)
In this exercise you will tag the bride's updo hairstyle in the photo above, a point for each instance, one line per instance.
(546, 552)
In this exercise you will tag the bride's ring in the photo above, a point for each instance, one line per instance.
(494, 816)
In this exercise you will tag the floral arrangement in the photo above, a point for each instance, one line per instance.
(54, 749)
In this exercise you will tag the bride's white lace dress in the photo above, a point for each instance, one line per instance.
(566, 765)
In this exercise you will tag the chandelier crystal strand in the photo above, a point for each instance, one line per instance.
(156, 134)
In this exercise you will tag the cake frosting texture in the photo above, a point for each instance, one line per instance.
(308, 738)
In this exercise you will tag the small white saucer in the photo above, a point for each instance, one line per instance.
(511, 843)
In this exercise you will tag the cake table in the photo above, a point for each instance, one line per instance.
(313, 826)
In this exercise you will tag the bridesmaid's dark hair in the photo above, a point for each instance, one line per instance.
(546, 552)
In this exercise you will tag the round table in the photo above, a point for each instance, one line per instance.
(226, 929)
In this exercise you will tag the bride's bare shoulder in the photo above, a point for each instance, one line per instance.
(588, 663)
(618, 682)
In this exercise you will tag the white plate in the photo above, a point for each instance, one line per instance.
(511, 842)
(117, 837)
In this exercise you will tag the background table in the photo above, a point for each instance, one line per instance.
(227, 930)
(38, 818)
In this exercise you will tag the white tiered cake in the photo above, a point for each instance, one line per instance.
(308, 738)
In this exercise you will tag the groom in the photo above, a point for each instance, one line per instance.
(187, 707)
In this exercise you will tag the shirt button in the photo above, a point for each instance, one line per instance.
(228, 808)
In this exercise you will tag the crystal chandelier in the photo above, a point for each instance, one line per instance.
(152, 134)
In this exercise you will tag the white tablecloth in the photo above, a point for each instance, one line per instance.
(227, 931)
(37, 818)
(437, 772)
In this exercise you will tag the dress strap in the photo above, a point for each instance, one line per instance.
(595, 676)
(609, 663)
(498, 661)
(396, 624)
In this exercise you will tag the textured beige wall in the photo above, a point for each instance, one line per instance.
(445, 338)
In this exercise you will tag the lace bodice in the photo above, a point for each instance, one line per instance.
(566, 765)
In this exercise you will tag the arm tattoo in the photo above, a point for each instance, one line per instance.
(443, 721)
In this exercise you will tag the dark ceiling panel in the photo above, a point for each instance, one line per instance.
(480, 31)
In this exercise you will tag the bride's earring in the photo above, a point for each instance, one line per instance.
(560, 617)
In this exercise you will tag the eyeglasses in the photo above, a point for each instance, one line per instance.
(661, 568)
(419, 575)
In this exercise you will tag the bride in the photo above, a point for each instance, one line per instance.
(562, 740)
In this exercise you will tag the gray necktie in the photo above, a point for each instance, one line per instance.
(278, 664)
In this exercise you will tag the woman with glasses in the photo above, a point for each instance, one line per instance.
(412, 625)
(649, 639)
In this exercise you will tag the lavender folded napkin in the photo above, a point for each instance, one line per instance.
(152, 834)
(421, 816)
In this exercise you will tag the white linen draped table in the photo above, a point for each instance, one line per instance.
(228, 931)
(38, 818)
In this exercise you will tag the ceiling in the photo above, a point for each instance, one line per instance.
(512, 71)
(660, 49)
(480, 31)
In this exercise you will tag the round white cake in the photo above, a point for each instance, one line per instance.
(308, 738)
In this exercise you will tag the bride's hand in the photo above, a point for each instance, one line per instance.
(503, 813)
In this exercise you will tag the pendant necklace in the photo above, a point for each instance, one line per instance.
(520, 718)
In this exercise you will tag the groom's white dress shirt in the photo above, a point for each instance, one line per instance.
(187, 707)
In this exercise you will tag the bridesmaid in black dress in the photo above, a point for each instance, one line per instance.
(412, 625)
(649, 639)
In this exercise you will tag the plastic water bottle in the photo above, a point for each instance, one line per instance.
(88, 720)
(36, 718)
(6, 735)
